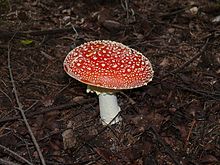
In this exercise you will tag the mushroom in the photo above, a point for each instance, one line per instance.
(107, 67)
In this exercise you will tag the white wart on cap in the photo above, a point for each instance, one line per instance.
(108, 64)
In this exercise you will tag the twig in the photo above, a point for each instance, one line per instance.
(129, 98)
(190, 61)
(47, 110)
(15, 155)
(175, 12)
(124, 4)
(206, 94)
(7, 34)
(20, 108)
(77, 34)
(190, 132)
(47, 82)
(30, 107)
(6, 95)
(47, 55)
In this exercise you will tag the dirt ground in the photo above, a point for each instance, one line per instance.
(175, 119)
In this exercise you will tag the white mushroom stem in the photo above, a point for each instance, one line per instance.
(109, 108)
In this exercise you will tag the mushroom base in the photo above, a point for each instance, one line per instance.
(109, 109)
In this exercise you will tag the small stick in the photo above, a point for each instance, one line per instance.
(190, 132)
(20, 108)
(199, 92)
(6, 95)
(190, 61)
(73, 27)
(47, 110)
(15, 155)
(8, 34)
(175, 12)
(129, 99)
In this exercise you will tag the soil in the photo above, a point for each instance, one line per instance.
(175, 119)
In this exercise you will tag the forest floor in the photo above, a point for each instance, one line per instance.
(175, 119)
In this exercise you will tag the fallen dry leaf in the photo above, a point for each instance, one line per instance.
(69, 139)
(111, 25)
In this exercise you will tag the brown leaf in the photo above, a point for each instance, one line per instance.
(69, 139)
(136, 120)
(111, 25)
(77, 98)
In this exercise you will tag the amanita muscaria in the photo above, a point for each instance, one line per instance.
(106, 67)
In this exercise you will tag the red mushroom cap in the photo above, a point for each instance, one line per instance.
(108, 64)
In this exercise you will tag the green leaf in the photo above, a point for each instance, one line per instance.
(26, 42)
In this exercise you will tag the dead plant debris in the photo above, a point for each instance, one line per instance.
(173, 120)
